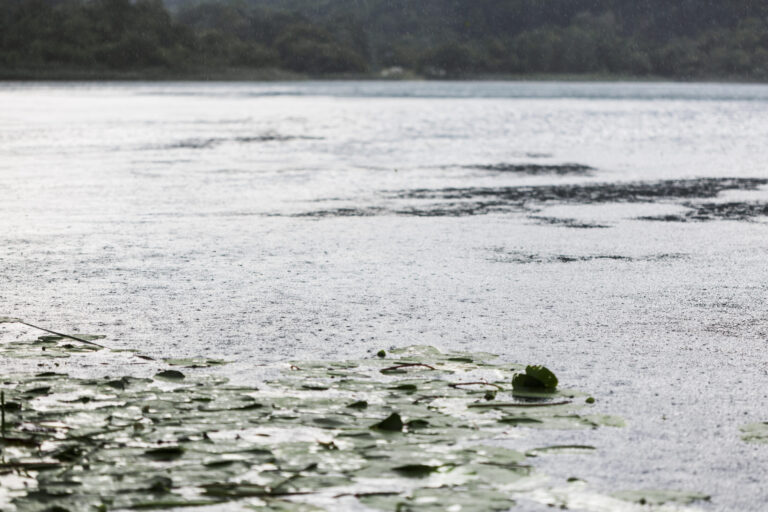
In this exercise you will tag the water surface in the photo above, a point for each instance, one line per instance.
(262, 222)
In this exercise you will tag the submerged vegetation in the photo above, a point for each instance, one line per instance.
(407, 429)
(398, 38)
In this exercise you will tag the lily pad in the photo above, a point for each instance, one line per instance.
(755, 432)
(535, 377)
(393, 423)
(323, 435)
(173, 375)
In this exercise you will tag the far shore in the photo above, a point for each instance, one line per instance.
(282, 75)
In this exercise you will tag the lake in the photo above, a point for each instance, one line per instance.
(614, 232)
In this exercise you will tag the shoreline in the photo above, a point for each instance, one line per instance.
(281, 75)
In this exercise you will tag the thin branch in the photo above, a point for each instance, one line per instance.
(365, 494)
(81, 340)
(457, 385)
(407, 365)
(518, 404)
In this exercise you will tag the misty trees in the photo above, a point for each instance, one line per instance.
(100, 33)
(685, 39)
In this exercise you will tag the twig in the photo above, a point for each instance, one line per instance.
(456, 385)
(81, 340)
(365, 494)
(407, 365)
(518, 404)
(426, 397)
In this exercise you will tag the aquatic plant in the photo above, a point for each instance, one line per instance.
(403, 430)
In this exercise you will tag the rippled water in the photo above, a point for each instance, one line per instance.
(261, 222)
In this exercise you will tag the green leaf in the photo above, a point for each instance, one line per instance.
(535, 377)
(755, 432)
(165, 453)
(174, 375)
(415, 470)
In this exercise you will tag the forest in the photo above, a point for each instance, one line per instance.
(685, 39)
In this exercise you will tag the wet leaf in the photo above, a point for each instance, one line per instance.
(393, 423)
(165, 453)
(535, 377)
(173, 375)
(415, 470)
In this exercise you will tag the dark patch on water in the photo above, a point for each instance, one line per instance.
(716, 211)
(535, 169)
(207, 143)
(459, 202)
(567, 223)
(621, 192)
(526, 258)
(345, 212)
(520, 257)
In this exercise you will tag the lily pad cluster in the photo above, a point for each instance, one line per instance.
(49, 347)
(407, 430)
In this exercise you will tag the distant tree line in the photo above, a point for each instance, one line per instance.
(436, 38)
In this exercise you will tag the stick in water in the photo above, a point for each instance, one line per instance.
(81, 340)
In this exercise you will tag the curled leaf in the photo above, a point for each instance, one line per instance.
(535, 377)
(393, 423)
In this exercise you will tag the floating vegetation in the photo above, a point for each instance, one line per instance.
(502, 255)
(535, 378)
(566, 223)
(738, 211)
(755, 432)
(634, 192)
(535, 169)
(460, 202)
(404, 430)
(211, 142)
